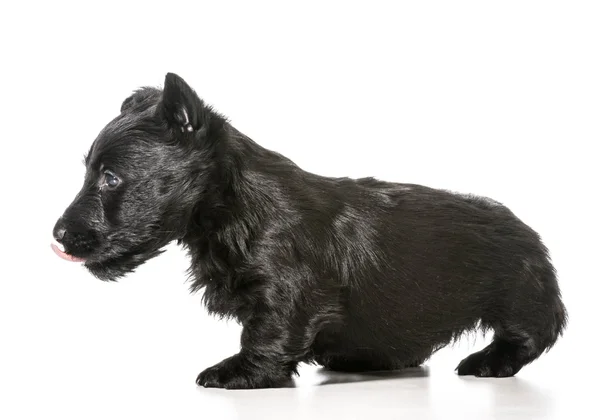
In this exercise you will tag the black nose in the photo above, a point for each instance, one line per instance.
(59, 231)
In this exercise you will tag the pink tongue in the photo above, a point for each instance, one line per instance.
(64, 255)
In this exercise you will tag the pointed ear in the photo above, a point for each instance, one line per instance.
(127, 103)
(180, 105)
(141, 99)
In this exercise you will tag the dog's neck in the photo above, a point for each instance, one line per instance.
(230, 213)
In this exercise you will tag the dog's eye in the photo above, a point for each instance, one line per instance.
(110, 180)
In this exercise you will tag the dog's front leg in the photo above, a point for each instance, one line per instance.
(271, 348)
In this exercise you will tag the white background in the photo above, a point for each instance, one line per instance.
(494, 98)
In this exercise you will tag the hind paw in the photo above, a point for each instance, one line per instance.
(486, 364)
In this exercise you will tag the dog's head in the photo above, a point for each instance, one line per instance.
(144, 172)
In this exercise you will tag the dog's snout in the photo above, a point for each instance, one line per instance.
(59, 231)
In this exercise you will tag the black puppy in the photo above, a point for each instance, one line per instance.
(353, 274)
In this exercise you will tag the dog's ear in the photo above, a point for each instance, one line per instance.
(180, 105)
(141, 99)
(127, 103)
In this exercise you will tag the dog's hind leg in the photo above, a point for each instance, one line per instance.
(500, 359)
(530, 324)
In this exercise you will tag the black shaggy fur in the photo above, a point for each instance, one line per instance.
(354, 274)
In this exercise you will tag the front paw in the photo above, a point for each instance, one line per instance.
(230, 373)
(242, 372)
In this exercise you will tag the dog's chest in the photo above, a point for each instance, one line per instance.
(221, 299)
(228, 290)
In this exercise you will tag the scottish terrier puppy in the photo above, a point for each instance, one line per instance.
(352, 274)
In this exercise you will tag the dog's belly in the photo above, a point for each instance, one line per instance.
(353, 342)
(395, 332)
